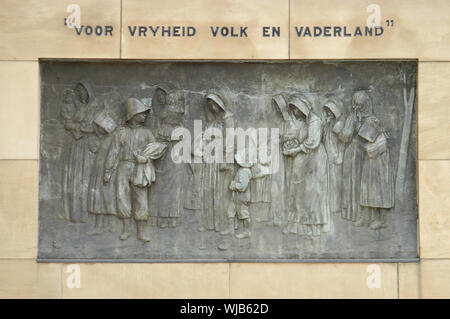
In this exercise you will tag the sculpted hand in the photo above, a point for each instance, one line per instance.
(140, 159)
(69, 125)
(292, 151)
(106, 177)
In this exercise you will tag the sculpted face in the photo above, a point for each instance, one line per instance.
(329, 116)
(162, 97)
(82, 93)
(213, 106)
(69, 96)
(297, 113)
(356, 109)
(213, 111)
(360, 115)
(140, 118)
(100, 130)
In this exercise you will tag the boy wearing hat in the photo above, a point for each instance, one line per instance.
(241, 196)
(134, 148)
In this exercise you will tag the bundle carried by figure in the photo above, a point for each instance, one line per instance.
(145, 173)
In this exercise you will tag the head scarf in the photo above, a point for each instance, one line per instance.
(217, 100)
(89, 88)
(175, 100)
(301, 103)
(362, 99)
(279, 102)
(106, 121)
(165, 87)
(332, 105)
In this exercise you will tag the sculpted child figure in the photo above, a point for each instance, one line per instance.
(134, 147)
(241, 195)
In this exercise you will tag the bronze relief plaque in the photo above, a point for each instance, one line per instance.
(228, 161)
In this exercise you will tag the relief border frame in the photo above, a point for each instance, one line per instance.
(225, 260)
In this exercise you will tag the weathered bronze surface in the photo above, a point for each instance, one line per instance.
(112, 186)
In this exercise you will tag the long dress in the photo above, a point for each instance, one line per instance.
(377, 185)
(212, 218)
(68, 111)
(193, 172)
(78, 161)
(278, 185)
(193, 195)
(309, 210)
(102, 197)
(351, 170)
(261, 197)
(169, 191)
(280, 180)
(335, 153)
(216, 181)
(211, 197)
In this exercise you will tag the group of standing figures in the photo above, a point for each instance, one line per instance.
(335, 164)
(118, 166)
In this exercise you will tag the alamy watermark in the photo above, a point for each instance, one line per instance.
(374, 278)
(73, 280)
(214, 145)
(74, 19)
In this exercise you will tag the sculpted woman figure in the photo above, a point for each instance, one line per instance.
(308, 191)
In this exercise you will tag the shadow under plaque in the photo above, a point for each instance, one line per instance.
(138, 161)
